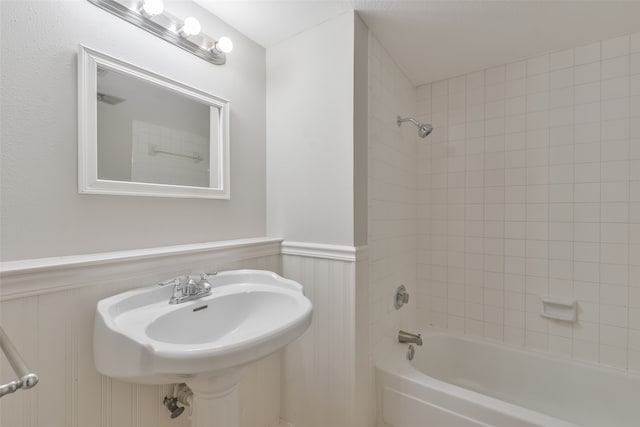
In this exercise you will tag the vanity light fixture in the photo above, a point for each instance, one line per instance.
(224, 45)
(151, 16)
(190, 27)
(151, 8)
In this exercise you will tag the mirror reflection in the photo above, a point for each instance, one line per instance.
(148, 134)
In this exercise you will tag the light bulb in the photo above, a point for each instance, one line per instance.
(152, 7)
(190, 27)
(224, 45)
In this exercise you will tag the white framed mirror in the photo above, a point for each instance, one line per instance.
(143, 134)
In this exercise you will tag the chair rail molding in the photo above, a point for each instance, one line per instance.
(326, 251)
(44, 275)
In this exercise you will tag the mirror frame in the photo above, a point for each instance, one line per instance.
(88, 181)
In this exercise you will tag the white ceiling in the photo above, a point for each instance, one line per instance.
(435, 39)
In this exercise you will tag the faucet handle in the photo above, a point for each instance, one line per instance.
(177, 289)
(204, 281)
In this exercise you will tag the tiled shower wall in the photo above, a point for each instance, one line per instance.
(392, 196)
(529, 186)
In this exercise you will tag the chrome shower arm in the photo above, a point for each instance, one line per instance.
(400, 120)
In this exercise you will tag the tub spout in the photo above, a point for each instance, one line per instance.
(408, 337)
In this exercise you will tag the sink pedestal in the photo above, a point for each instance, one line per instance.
(215, 400)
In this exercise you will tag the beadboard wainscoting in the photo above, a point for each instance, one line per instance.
(324, 373)
(47, 308)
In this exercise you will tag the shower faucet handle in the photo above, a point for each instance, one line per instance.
(402, 297)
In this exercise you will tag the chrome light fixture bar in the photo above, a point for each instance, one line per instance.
(151, 16)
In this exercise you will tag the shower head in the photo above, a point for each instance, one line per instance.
(424, 129)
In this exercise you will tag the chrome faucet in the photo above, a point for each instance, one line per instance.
(407, 337)
(189, 288)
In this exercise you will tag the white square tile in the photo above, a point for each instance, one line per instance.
(615, 191)
(560, 250)
(538, 65)
(615, 67)
(561, 116)
(613, 356)
(615, 150)
(561, 231)
(537, 101)
(561, 78)
(475, 96)
(634, 211)
(560, 60)
(587, 133)
(516, 70)
(587, 153)
(634, 173)
(587, 73)
(615, 129)
(585, 350)
(537, 249)
(615, 109)
(635, 42)
(635, 63)
(475, 80)
(634, 318)
(614, 233)
(614, 255)
(587, 212)
(495, 92)
(515, 88)
(560, 346)
(586, 193)
(561, 97)
(634, 107)
(615, 295)
(586, 252)
(586, 231)
(515, 141)
(424, 91)
(537, 193)
(538, 120)
(538, 212)
(495, 75)
(615, 88)
(613, 315)
(515, 124)
(494, 109)
(562, 212)
(560, 155)
(538, 83)
(475, 113)
(587, 172)
(587, 113)
(615, 171)
(457, 84)
(634, 129)
(562, 135)
(536, 156)
(588, 53)
(561, 174)
(586, 93)
(615, 212)
(618, 46)
(440, 89)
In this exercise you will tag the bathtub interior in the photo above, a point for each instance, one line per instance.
(578, 393)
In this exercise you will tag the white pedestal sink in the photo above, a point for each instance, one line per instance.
(205, 342)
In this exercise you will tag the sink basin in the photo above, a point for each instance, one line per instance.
(140, 337)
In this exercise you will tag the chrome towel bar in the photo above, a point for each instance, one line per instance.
(26, 379)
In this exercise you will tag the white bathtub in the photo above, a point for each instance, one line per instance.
(461, 382)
